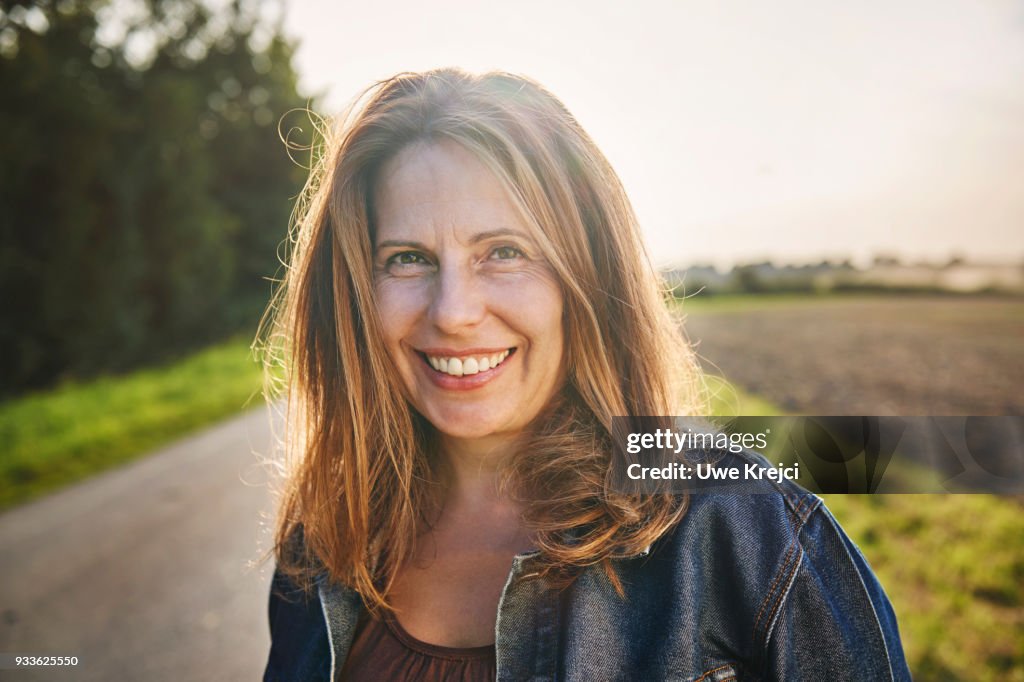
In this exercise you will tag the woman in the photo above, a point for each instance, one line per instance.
(467, 306)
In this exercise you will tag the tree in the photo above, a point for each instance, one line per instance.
(143, 190)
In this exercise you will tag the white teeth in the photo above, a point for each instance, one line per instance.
(455, 367)
(458, 367)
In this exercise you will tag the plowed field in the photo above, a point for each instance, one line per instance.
(868, 356)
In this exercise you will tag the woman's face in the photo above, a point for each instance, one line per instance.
(471, 311)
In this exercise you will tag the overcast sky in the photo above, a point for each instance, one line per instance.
(744, 130)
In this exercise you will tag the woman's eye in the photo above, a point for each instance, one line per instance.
(506, 253)
(407, 264)
(407, 258)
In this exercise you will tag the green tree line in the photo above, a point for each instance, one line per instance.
(144, 187)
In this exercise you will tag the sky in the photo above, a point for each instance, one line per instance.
(743, 131)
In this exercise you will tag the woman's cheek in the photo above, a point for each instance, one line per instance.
(535, 284)
(531, 304)
(399, 301)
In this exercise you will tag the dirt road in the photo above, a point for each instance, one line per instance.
(143, 572)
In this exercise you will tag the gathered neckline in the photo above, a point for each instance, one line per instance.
(435, 650)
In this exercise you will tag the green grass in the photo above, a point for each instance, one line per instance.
(56, 437)
(959, 304)
(736, 303)
(726, 400)
(952, 565)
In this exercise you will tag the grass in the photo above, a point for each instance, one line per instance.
(63, 435)
(952, 565)
(736, 303)
(726, 400)
(740, 302)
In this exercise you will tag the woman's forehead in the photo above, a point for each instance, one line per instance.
(442, 186)
(426, 170)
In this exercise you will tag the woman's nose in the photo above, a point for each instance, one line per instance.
(458, 303)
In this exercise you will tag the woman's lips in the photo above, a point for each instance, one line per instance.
(465, 370)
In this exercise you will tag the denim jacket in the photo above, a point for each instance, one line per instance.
(746, 587)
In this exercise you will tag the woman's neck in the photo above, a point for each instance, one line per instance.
(474, 491)
(474, 465)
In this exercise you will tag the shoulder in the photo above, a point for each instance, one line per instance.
(773, 561)
(758, 523)
(741, 546)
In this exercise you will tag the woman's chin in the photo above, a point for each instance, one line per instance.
(466, 431)
(467, 426)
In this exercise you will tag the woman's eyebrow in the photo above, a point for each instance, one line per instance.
(494, 234)
(390, 243)
(475, 239)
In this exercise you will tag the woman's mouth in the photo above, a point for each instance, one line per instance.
(466, 365)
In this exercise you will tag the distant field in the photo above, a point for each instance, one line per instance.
(953, 565)
(877, 355)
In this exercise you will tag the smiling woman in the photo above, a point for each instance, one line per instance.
(467, 306)
(472, 316)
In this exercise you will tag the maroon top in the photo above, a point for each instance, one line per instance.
(383, 650)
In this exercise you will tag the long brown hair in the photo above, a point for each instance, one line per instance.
(363, 481)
